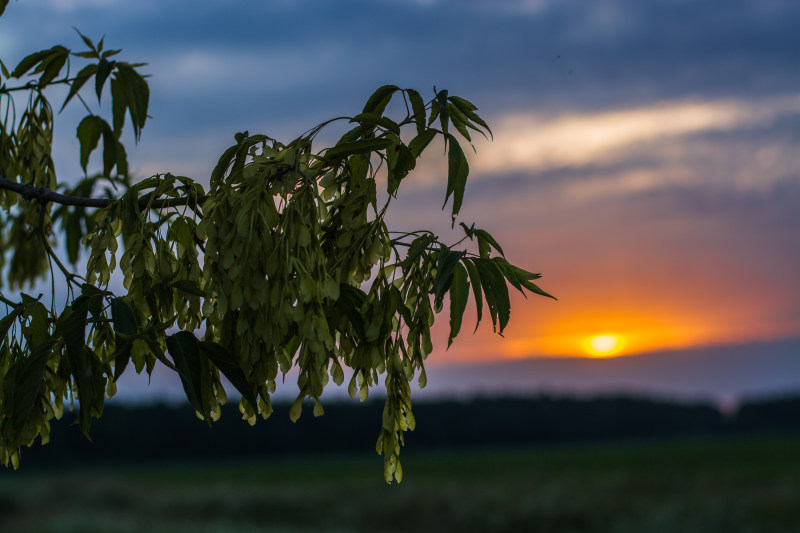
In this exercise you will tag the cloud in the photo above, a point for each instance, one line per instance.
(203, 70)
(533, 143)
(697, 147)
(68, 6)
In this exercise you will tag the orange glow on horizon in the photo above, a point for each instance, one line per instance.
(611, 333)
(605, 345)
(567, 334)
(564, 332)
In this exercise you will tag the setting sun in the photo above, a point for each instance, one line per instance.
(603, 345)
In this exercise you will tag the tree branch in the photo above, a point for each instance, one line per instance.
(8, 302)
(44, 195)
(34, 84)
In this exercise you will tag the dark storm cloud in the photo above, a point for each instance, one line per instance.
(280, 67)
(504, 54)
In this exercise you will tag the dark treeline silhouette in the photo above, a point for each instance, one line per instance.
(160, 432)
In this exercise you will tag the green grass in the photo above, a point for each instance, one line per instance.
(722, 485)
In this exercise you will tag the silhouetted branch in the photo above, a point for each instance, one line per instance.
(44, 195)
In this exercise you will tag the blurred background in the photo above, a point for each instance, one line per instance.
(645, 161)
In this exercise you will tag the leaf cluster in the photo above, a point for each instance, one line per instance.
(285, 260)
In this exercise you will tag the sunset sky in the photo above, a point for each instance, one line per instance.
(645, 158)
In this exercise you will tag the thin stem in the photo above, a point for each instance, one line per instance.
(8, 302)
(405, 101)
(459, 242)
(34, 85)
(67, 274)
(85, 105)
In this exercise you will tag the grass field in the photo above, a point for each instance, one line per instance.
(722, 485)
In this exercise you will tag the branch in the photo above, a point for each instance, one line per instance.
(8, 302)
(44, 195)
(34, 84)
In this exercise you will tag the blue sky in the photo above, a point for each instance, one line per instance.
(645, 156)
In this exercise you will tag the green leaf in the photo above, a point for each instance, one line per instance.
(401, 162)
(418, 108)
(418, 245)
(38, 328)
(137, 95)
(119, 103)
(537, 290)
(475, 281)
(358, 147)
(222, 166)
(84, 363)
(468, 109)
(104, 69)
(520, 278)
(457, 172)
(460, 121)
(74, 233)
(464, 106)
(351, 135)
(399, 305)
(122, 160)
(51, 66)
(126, 325)
(444, 114)
(495, 291)
(94, 298)
(350, 301)
(8, 320)
(79, 81)
(189, 287)
(445, 266)
(420, 142)
(380, 99)
(27, 380)
(242, 150)
(125, 321)
(230, 368)
(459, 294)
(484, 240)
(297, 408)
(89, 131)
(318, 410)
(85, 366)
(3, 5)
(88, 42)
(110, 144)
(434, 112)
(192, 368)
(28, 62)
(71, 324)
(374, 119)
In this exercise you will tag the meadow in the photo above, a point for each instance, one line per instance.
(731, 484)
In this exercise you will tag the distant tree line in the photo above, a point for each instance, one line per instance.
(161, 432)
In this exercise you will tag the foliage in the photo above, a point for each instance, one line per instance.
(283, 260)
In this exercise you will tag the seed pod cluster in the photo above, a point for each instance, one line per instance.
(285, 262)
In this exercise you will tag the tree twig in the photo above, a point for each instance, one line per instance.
(44, 195)
(34, 84)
